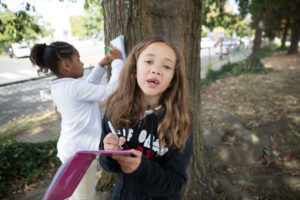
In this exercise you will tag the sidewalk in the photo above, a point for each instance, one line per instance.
(25, 98)
(217, 65)
(41, 133)
(17, 100)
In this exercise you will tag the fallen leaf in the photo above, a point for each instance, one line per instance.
(229, 143)
(287, 157)
(269, 159)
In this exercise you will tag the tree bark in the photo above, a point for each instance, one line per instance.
(179, 21)
(285, 32)
(258, 23)
(293, 49)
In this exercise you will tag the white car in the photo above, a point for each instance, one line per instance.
(247, 41)
(19, 50)
(207, 43)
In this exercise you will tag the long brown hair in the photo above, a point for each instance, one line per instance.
(124, 106)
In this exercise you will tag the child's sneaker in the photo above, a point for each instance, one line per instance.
(118, 42)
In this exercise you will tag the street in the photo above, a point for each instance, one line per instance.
(13, 69)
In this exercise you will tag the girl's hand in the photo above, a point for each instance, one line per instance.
(110, 55)
(105, 61)
(112, 142)
(129, 163)
(114, 53)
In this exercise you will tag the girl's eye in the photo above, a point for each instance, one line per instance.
(148, 61)
(167, 67)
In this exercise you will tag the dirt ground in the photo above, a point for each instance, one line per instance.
(251, 124)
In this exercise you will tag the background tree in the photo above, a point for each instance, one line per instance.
(179, 22)
(19, 26)
(286, 25)
(292, 10)
(232, 22)
(273, 22)
(284, 18)
(78, 28)
(257, 8)
(94, 24)
(214, 15)
(288, 11)
(90, 25)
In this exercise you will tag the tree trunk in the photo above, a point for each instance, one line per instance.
(285, 32)
(295, 38)
(179, 21)
(258, 23)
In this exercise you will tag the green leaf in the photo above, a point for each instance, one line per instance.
(248, 177)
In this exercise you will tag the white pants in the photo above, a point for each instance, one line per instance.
(86, 190)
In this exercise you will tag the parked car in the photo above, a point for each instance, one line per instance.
(235, 43)
(18, 50)
(226, 47)
(246, 41)
(207, 42)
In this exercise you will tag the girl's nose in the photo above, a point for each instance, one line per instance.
(155, 70)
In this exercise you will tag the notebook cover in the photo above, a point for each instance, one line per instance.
(71, 172)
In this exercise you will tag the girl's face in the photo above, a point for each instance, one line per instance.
(76, 66)
(155, 70)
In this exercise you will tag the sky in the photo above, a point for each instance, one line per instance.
(57, 13)
(235, 6)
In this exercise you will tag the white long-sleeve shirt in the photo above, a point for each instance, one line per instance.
(77, 101)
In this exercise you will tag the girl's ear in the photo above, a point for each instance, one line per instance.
(64, 65)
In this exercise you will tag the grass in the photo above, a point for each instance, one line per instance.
(268, 50)
(11, 129)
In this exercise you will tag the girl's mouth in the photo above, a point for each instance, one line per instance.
(153, 82)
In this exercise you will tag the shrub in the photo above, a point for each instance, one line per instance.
(235, 69)
(25, 161)
(267, 51)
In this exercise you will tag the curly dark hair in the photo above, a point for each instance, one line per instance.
(48, 57)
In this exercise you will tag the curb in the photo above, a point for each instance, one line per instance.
(35, 78)
(23, 81)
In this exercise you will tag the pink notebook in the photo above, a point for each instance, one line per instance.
(71, 172)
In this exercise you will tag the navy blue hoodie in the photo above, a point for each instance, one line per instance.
(160, 175)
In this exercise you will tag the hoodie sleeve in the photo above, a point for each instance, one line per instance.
(106, 162)
(88, 91)
(167, 177)
(96, 74)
